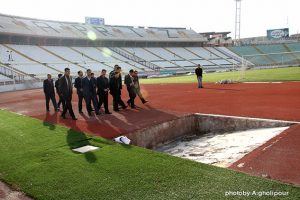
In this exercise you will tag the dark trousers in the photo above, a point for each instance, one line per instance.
(80, 98)
(132, 96)
(52, 97)
(61, 102)
(118, 101)
(103, 98)
(68, 107)
(91, 98)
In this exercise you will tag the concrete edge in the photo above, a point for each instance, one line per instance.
(248, 118)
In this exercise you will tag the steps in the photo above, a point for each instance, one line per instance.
(136, 59)
(267, 57)
(60, 57)
(29, 58)
(289, 50)
(179, 57)
(90, 57)
(197, 55)
(163, 58)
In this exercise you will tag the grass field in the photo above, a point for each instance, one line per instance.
(36, 157)
(279, 74)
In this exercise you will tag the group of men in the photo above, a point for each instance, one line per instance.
(94, 91)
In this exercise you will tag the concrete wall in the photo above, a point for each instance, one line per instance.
(156, 135)
(24, 86)
(221, 124)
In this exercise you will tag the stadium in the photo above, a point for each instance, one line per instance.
(236, 137)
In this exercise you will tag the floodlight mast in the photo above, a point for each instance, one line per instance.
(237, 22)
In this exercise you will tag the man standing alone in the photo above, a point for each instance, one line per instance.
(130, 88)
(49, 92)
(78, 86)
(199, 72)
(103, 88)
(66, 88)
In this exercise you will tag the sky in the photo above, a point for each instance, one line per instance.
(201, 15)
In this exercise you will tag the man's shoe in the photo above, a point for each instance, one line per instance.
(108, 113)
(98, 113)
(124, 107)
(144, 101)
(74, 118)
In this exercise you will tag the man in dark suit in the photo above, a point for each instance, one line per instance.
(78, 86)
(199, 72)
(89, 85)
(118, 69)
(115, 91)
(103, 88)
(130, 88)
(112, 74)
(49, 92)
(61, 101)
(66, 88)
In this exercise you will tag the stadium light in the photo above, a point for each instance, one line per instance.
(237, 37)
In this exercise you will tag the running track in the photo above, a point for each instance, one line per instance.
(280, 160)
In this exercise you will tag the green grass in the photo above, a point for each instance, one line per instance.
(36, 157)
(268, 75)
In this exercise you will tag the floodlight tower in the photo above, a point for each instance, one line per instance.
(238, 4)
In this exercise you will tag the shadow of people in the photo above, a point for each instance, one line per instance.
(50, 120)
(76, 139)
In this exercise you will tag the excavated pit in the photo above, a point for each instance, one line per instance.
(212, 139)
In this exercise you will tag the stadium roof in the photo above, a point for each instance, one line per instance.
(15, 25)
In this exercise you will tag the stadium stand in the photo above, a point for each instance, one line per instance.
(295, 48)
(142, 53)
(216, 52)
(202, 53)
(236, 58)
(4, 78)
(23, 64)
(31, 48)
(270, 55)
(276, 48)
(250, 50)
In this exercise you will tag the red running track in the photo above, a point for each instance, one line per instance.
(168, 101)
(277, 159)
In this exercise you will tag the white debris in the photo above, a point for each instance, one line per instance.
(122, 140)
(85, 149)
(241, 165)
